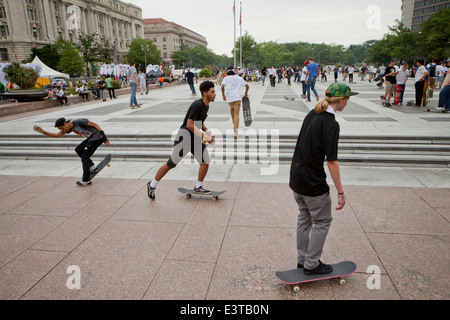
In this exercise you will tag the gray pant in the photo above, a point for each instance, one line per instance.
(314, 221)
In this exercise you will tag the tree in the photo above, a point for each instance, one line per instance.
(141, 50)
(48, 54)
(71, 62)
(88, 47)
(434, 36)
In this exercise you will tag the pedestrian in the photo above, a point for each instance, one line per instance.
(110, 87)
(391, 81)
(161, 81)
(190, 80)
(102, 87)
(311, 77)
(444, 95)
(318, 139)
(94, 137)
(233, 84)
(419, 81)
(272, 75)
(263, 75)
(432, 79)
(133, 81)
(303, 79)
(350, 74)
(142, 82)
(402, 78)
(61, 96)
(289, 74)
(336, 72)
(190, 138)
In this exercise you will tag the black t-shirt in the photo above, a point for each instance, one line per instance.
(391, 78)
(190, 77)
(318, 139)
(198, 111)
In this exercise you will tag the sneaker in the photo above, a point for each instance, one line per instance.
(317, 98)
(202, 190)
(308, 100)
(84, 183)
(93, 170)
(299, 266)
(321, 269)
(151, 191)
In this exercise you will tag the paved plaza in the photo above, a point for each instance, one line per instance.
(395, 225)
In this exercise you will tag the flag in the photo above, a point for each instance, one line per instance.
(240, 19)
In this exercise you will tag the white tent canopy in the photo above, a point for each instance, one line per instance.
(48, 72)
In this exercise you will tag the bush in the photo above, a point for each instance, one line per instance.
(205, 72)
(116, 84)
(25, 78)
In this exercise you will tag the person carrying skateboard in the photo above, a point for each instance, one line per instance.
(234, 83)
(94, 137)
(190, 138)
(318, 139)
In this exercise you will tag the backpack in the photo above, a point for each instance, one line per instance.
(433, 71)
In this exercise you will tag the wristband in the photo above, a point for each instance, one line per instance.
(102, 133)
(341, 194)
(42, 131)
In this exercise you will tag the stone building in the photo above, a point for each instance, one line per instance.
(169, 36)
(415, 12)
(25, 24)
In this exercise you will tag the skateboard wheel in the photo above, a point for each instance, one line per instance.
(188, 196)
(296, 288)
(215, 198)
(341, 282)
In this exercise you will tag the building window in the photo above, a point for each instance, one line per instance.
(2, 12)
(4, 54)
(32, 14)
(35, 33)
(3, 31)
(164, 39)
(164, 47)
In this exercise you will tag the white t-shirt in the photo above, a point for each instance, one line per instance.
(303, 78)
(401, 76)
(419, 73)
(350, 70)
(233, 86)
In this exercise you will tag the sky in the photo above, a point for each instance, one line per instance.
(343, 22)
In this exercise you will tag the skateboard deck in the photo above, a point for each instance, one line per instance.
(296, 276)
(105, 162)
(247, 111)
(398, 93)
(427, 97)
(436, 110)
(189, 192)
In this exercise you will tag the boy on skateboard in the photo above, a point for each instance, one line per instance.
(94, 137)
(189, 139)
(318, 139)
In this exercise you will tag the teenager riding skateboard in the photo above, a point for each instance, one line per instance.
(94, 137)
(190, 139)
(297, 276)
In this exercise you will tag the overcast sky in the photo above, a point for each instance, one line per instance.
(329, 21)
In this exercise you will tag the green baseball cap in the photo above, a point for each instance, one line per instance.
(339, 89)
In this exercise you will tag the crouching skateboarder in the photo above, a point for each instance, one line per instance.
(94, 137)
(191, 137)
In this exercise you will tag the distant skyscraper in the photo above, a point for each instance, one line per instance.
(415, 12)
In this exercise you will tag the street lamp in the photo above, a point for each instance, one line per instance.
(145, 48)
(320, 53)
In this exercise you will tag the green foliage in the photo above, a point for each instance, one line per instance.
(25, 78)
(199, 56)
(140, 49)
(435, 36)
(116, 84)
(71, 62)
(205, 72)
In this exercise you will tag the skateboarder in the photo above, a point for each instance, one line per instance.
(318, 139)
(234, 83)
(189, 139)
(94, 137)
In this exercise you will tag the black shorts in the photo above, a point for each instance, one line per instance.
(182, 148)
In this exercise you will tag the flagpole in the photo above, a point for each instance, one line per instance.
(234, 43)
(240, 41)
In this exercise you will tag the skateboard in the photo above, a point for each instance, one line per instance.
(398, 93)
(247, 111)
(427, 97)
(384, 103)
(410, 103)
(189, 192)
(105, 162)
(437, 110)
(296, 276)
(289, 98)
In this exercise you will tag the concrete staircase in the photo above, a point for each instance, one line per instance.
(353, 150)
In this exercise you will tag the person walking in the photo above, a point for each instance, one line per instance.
(311, 77)
(190, 138)
(233, 84)
(190, 80)
(419, 81)
(110, 87)
(94, 137)
(391, 81)
(142, 82)
(318, 139)
(102, 87)
(303, 79)
(133, 81)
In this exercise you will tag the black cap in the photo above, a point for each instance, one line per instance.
(60, 122)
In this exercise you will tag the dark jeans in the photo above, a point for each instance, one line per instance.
(113, 95)
(403, 92)
(63, 100)
(419, 92)
(191, 85)
(444, 98)
(85, 150)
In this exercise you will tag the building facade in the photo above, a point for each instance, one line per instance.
(169, 36)
(415, 12)
(25, 24)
